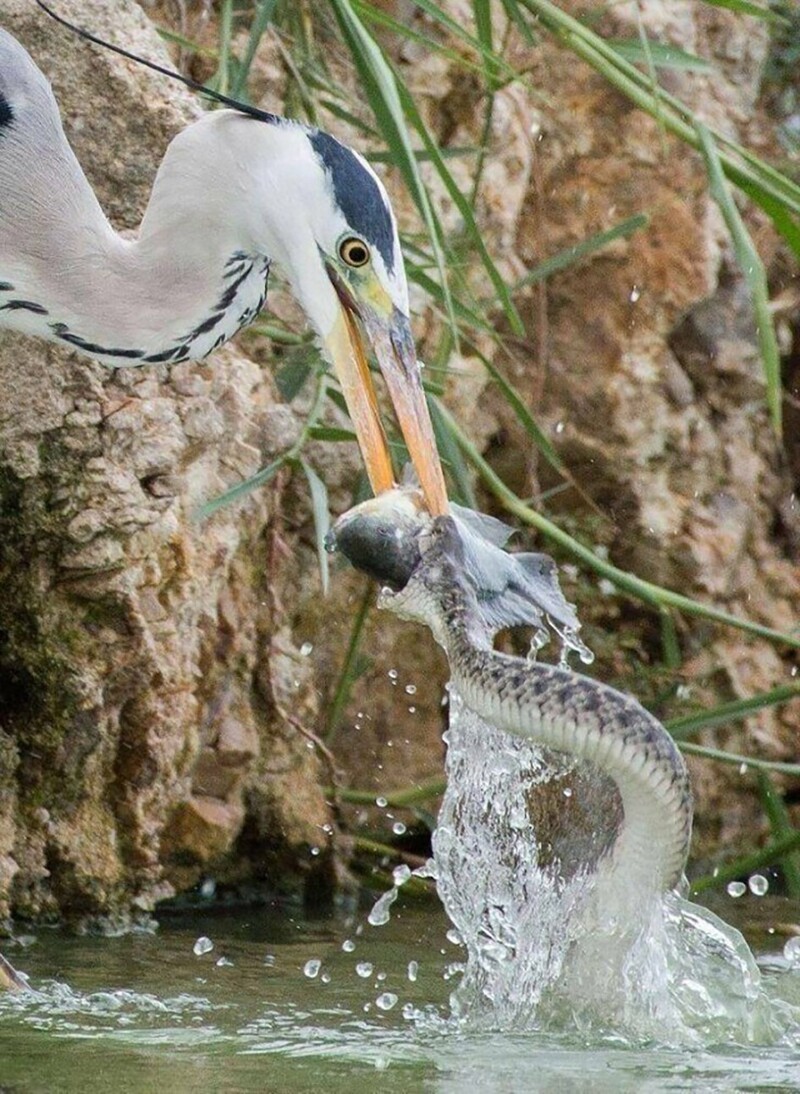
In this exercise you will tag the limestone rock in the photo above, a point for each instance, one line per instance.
(130, 633)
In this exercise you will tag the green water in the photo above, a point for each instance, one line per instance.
(144, 1013)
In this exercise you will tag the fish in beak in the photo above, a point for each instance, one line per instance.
(389, 333)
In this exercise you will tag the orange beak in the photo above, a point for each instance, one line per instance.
(393, 346)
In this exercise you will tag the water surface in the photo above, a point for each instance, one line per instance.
(145, 1013)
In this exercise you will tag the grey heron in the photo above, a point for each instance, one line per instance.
(237, 191)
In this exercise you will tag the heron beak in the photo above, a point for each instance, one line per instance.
(389, 333)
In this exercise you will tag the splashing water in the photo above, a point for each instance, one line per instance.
(555, 931)
(545, 944)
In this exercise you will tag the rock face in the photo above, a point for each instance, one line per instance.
(156, 712)
(139, 676)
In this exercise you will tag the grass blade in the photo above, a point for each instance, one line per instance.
(451, 455)
(659, 55)
(322, 517)
(748, 864)
(666, 108)
(747, 7)
(465, 209)
(524, 416)
(332, 434)
(378, 17)
(242, 489)
(780, 822)
(482, 14)
(262, 18)
(221, 81)
(570, 255)
(726, 757)
(520, 22)
(776, 211)
(350, 670)
(685, 727)
(754, 273)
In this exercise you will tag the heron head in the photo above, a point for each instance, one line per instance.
(341, 251)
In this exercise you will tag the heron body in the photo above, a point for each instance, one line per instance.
(234, 195)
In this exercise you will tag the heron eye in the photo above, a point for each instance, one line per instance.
(354, 251)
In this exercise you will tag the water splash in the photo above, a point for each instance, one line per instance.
(546, 947)
(381, 909)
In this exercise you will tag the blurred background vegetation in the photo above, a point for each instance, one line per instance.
(478, 313)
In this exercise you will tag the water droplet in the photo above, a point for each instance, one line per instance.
(567, 791)
(454, 936)
(791, 951)
(636, 292)
(386, 1000)
(381, 977)
(380, 909)
(381, 803)
(541, 637)
(758, 884)
(409, 1010)
(202, 945)
(326, 978)
(413, 970)
(208, 888)
(398, 828)
(401, 874)
(269, 960)
(412, 710)
(348, 945)
(364, 969)
(224, 963)
(315, 851)
(571, 643)
(411, 689)
(312, 967)
(393, 674)
(306, 649)
(736, 888)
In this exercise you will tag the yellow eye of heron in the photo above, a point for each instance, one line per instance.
(354, 251)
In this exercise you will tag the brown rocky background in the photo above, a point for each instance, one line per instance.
(159, 702)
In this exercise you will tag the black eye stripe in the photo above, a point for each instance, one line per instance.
(357, 194)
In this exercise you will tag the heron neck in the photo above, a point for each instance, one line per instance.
(184, 284)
